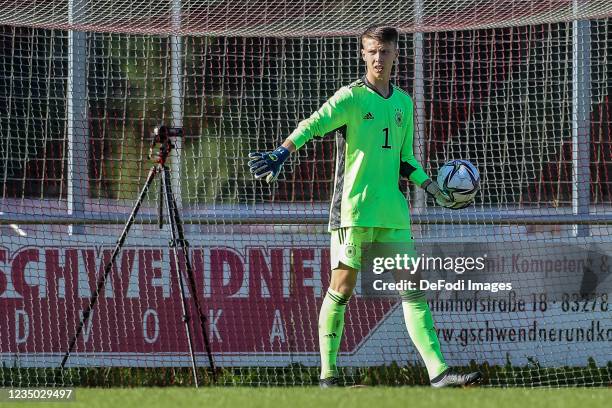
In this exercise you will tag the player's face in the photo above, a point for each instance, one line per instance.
(379, 57)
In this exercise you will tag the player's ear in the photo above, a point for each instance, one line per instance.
(363, 57)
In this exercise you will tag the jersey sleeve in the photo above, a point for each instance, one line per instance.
(409, 166)
(332, 115)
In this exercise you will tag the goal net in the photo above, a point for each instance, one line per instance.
(519, 88)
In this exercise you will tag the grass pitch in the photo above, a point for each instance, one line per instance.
(311, 397)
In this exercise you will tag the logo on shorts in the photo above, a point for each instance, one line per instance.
(350, 251)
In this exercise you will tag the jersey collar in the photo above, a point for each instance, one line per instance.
(369, 85)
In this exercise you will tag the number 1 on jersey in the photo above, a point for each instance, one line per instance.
(386, 145)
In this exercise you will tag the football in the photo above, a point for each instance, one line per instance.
(460, 180)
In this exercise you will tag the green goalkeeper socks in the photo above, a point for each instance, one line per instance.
(331, 325)
(419, 323)
(421, 329)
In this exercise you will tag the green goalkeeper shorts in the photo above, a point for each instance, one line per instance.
(347, 243)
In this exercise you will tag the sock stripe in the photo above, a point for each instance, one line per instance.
(412, 295)
(339, 299)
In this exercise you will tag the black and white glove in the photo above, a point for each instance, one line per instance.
(459, 206)
(441, 198)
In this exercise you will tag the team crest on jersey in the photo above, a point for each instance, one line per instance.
(399, 117)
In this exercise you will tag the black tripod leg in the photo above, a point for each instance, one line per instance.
(186, 317)
(175, 218)
(160, 207)
(109, 266)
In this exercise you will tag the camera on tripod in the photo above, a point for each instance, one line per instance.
(163, 135)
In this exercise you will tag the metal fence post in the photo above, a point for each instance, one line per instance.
(78, 127)
(581, 124)
(176, 78)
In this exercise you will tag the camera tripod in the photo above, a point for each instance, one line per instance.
(161, 135)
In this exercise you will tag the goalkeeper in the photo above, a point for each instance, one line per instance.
(374, 147)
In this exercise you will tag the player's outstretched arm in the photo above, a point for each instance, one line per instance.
(331, 116)
(270, 164)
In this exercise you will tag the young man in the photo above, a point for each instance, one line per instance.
(375, 119)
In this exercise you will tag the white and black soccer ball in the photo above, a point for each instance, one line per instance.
(460, 180)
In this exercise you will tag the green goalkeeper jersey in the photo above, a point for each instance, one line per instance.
(374, 144)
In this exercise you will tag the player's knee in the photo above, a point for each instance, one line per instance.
(345, 289)
(343, 280)
(344, 286)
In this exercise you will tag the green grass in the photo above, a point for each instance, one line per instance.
(371, 397)
(532, 375)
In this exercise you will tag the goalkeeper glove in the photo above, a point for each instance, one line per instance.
(268, 165)
(432, 188)
(459, 206)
